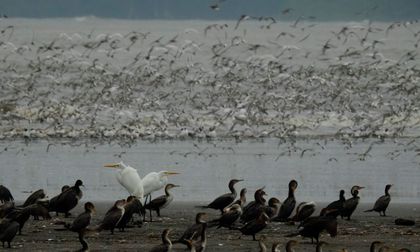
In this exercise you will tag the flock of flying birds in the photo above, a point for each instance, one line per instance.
(253, 78)
(235, 214)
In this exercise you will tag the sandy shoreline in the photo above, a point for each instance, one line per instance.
(355, 235)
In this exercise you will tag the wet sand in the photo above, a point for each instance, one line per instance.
(355, 235)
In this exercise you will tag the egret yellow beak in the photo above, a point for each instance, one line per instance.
(167, 173)
(112, 165)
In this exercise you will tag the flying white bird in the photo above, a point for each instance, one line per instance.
(129, 178)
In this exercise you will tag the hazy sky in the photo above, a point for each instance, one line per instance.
(228, 9)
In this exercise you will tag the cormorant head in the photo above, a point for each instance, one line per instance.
(120, 203)
(342, 192)
(355, 189)
(170, 186)
(387, 187)
(89, 207)
(199, 218)
(243, 192)
(234, 181)
(64, 188)
(78, 183)
(293, 184)
(273, 202)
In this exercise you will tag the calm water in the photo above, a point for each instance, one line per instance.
(322, 170)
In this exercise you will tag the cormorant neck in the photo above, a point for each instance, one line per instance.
(291, 192)
(232, 188)
(167, 193)
(166, 240)
(260, 198)
(387, 191)
(342, 198)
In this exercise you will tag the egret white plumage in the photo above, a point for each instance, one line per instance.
(129, 178)
(154, 181)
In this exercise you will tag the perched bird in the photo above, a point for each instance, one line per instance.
(166, 243)
(335, 207)
(39, 210)
(8, 230)
(199, 245)
(67, 200)
(350, 204)
(313, 226)
(34, 197)
(20, 215)
(256, 225)
(303, 211)
(229, 217)
(161, 201)
(81, 223)
(252, 210)
(194, 231)
(226, 199)
(273, 207)
(112, 216)
(6, 208)
(382, 202)
(5, 194)
(132, 206)
(129, 178)
(288, 205)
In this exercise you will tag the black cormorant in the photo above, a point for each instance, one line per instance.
(194, 232)
(66, 200)
(288, 205)
(166, 243)
(303, 211)
(350, 204)
(112, 216)
(256, 225)
(313, 226)
(228, 218)
(382, 203)
(132, 206)
(252, 210)
(226, 199)
(335, 207)
(162, 201)
(8, 231)
(5, 194)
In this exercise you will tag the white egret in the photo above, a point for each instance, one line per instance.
(129, 178)
(155, 181)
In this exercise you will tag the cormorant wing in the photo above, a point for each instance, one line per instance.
(382, 203)
(81, 222)
(156, 202)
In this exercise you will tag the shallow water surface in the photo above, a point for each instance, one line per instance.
(321, 167)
